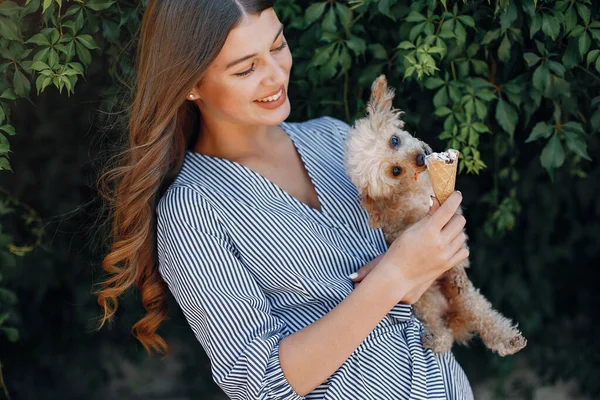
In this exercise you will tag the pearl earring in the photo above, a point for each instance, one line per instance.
(191, 96)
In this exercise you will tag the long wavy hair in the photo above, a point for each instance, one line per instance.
(178, 40)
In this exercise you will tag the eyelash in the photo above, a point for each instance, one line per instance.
(283, 45)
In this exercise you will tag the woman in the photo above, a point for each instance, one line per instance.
(257, 226)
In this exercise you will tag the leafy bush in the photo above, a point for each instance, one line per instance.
(512, 84)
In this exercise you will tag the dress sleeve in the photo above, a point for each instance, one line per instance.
(340, 126)
(220, 299)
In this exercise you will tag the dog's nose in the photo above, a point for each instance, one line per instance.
(420, 159)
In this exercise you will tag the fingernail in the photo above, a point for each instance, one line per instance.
(430, 201)
(459, 192)
(353, 276)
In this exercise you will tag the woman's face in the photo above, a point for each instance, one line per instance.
(253, 65)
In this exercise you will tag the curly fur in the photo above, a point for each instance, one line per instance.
(452, 309)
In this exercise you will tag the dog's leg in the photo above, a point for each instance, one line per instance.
(472, 312)
(455, 281)
(430, 310)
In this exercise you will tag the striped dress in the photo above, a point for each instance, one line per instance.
(250, 264)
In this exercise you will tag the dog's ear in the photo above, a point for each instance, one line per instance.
(381, 96)
(372, 208)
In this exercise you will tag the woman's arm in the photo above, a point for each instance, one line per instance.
(311, 355)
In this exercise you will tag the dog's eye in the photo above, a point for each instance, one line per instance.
(396, 171)
(395, 141)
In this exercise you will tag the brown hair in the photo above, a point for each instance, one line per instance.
(177, 42)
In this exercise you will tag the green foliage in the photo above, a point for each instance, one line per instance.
(512, 84)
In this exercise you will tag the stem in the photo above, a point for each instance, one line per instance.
(346, 105)
(589, 72)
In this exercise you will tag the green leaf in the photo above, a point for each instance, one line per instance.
(99, 5)
(540, 130)
(592, 56)
(570, 19)
(344, 14)
(21, 84)
(11, 333)
(314, 12)
(8, 29)
(553, 155)
(433, 83)
(328, 24)
(504, 50)
(357, 44)
(576, 143)
(541, 78)
(83, 54)
(378, 51)
(87, 41)
(531, 59)
(8, 129)
(467, 20)
(39, 39)
(4, 165)
(39, 66)
(584, 44)
(406, 45)
(550, 26)
(9, 8)
(414, 16)
(440, 99)
(8, 94)
(536, 25)
(584, 12)
(383, 6)
(507, 117)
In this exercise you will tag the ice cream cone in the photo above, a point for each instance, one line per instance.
(441, 168)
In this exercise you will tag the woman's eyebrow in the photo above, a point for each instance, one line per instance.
(239, 60)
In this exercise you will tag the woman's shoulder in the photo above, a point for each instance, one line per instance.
(325, 125)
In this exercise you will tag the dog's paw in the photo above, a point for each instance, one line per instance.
(512, 345)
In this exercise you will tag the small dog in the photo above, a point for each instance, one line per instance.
(387, 165)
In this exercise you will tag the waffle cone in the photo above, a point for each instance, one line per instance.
(443, 178)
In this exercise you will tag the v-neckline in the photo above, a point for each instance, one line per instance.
(308, 166)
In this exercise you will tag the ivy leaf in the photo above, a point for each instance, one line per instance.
(540, 130)
(414, 16)
(507, 117)
(357, 45)
(8, 29)
(584, 12)
(314, 12)
(328, 24)
(433, 83)
(577, 144)
(99, 5)
(504, 50)
(553, 155)
(584, 44)
(384, 7)
(21, 84)
(550, 26)
(531, 59)
(344, 14)
(4, 165)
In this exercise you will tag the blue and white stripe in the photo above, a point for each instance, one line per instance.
(249, 264)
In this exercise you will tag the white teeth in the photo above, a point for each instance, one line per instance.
(272, 98)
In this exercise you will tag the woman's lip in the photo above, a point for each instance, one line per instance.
(272, 105)
(272, 94)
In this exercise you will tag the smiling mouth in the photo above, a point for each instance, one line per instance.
(274, 97)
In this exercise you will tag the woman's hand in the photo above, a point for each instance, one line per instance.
(426, 250)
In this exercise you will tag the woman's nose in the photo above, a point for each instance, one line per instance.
(276, 73)
(420, 159)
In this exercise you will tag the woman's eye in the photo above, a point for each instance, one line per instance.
(396, 171)
(282, 46)
(395, 141)
(246, 72)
